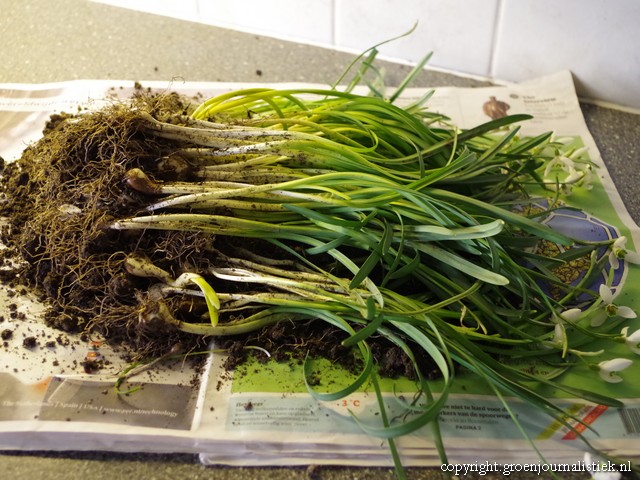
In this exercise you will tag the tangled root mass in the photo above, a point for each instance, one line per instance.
(58, 198)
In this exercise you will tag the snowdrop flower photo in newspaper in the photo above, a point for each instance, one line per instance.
(609, 369)
(619, 252)
(632, 341)
(610, 309)
(596, 469)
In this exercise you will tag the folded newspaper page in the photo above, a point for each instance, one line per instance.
(262, 413)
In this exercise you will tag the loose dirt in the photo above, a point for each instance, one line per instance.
(66, 188)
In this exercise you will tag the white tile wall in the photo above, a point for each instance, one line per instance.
(310, 20)
(598, 40)
(182, 9)
(458, 32)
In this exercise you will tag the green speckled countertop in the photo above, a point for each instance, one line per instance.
(44, 41)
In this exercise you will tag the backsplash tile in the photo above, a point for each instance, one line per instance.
(309, 21)
(509, 40)
(459, 32)
(598, 40)
(182, 9)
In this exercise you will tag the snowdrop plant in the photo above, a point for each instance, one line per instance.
(390, 222)
(395, 199)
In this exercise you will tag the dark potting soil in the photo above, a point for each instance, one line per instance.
(66, 188)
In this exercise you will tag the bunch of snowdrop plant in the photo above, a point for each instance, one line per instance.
(385, 221)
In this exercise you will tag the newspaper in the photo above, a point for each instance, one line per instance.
(262, 414)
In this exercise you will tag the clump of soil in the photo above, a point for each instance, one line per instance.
(58, 198)
(293, 341)
(64, 191)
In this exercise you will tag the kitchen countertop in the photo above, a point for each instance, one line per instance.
(45, 41)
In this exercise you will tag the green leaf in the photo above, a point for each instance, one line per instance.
(437, 232)
(359, 380)
(378, 252)
(366, 331)
(462, 264)
(510, 218)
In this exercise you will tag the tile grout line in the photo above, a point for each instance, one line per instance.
(197, 11)
(495, 38)
(334, 22)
